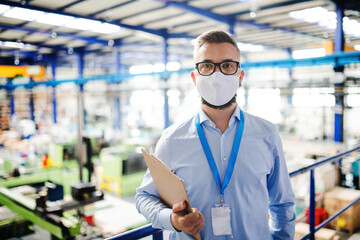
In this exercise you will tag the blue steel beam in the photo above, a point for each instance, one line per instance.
(230, 19)
(282, 4)
(164, 18)
(31, 103)
(202, 12)
(339, 32)
(53, 62)
(339, 103)
(312, 205)
(69, 5)
(165, 78)
(143, 12)
(117, 105)
(338, 59)
(110, 8)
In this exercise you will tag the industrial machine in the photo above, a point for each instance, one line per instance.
(53, 216)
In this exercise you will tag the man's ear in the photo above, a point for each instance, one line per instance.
(193, 77)
(242, 74)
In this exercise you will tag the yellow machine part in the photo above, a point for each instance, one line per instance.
(35, 72)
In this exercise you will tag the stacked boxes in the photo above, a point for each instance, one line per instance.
(338, 198)
(301, 229)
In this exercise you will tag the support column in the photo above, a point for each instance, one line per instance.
(11, 99)
(54, 104)
(312, 205)
(31, 102)
(339, 112)
(232, 28)
(339, 87)
(165, 79)
(117, 105)
(80, 108)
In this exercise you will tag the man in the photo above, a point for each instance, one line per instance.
(231, 162)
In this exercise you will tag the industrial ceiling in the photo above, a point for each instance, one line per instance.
(140, 30)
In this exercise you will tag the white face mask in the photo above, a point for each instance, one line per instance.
(218, 88)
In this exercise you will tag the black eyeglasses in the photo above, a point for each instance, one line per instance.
(226, 67)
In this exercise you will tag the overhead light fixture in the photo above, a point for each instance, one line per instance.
(55, 19)
(4, 8)
(351, 27)
(12, 44)
(53, 35)
(82, 24)
(105, 28)
(24, 14)
(111, 43)
(327, 19)
(309, 53)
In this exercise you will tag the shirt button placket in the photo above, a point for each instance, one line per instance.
(223, 147)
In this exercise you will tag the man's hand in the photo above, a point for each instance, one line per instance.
(191, 223)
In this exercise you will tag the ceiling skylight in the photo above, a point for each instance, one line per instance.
(3, 8)
(83, 24)
(325, 18)
(23, 14)
(105, 28)
(9, 44)
(55, 19)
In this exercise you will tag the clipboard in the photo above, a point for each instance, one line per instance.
(169, 186)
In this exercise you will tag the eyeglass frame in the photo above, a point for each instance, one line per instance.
(217, 65)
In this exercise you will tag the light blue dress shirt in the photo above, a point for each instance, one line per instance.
(259, 185)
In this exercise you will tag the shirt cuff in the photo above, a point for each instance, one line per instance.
(165, 221)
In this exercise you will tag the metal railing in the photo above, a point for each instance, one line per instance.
(333, 159)
(148, 230)
(140, 232)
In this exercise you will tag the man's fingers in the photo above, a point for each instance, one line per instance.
(191, 223)
(177, 207)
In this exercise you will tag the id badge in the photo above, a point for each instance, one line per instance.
(220, 218)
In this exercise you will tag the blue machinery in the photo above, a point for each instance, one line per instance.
(148, 230)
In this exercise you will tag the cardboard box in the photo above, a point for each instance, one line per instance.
(338, 198)
(301, 229)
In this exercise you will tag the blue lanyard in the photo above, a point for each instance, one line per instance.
(233, 155)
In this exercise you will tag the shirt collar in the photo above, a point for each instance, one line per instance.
(235, 115)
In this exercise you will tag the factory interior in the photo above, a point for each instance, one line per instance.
(86, 84)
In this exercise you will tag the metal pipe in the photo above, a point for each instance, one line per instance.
(138, 233)
(80, 116)
(312, 205)
(336, 157)
(327, 221)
